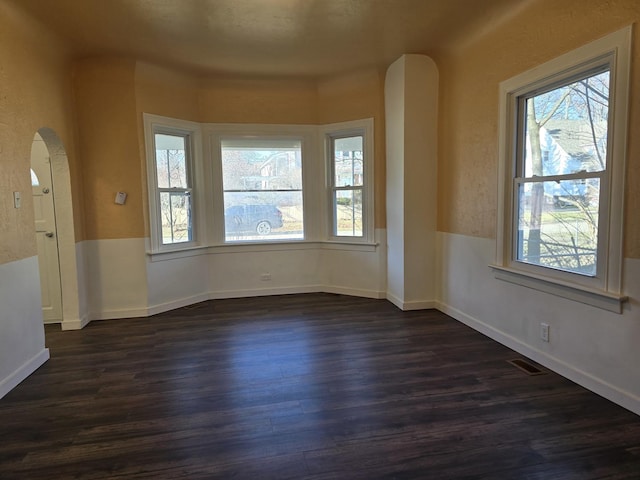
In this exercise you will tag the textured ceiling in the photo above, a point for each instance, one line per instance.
(268, 37)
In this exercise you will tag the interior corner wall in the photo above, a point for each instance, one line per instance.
(411, 109)
(114, 249)
(105, 101)
(394, 119)
(35, 92)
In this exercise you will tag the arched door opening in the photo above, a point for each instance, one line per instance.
(46, 231)
(55, 231)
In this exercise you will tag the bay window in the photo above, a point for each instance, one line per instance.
(225, 185)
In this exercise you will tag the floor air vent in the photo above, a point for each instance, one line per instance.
(526, 367)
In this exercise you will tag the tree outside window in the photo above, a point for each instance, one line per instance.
(174, 188)
(562, 166)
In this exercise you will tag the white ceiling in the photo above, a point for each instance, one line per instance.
(311, 38)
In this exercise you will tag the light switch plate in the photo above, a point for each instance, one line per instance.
(17, 200)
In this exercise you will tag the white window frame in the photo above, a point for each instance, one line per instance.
(330, 133)
(304, 133)
(208, 206)
(604, 290)
(191, 131)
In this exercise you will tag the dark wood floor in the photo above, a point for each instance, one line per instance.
(303, 387)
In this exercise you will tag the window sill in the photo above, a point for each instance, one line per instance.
(162, 255)
(261, 247)
(596, 298)
(349, 245)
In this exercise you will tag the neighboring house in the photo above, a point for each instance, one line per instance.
(568, 147)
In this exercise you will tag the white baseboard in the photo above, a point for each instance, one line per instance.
(412, 305)
(117, 314)
(262, 292)
(77, 324)
(596, 385)
(183, 302)
(419, 305)
(23, 372)
(354, 292)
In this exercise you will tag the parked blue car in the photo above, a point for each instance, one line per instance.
(258, 219)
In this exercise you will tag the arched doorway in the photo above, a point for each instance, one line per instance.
(46, 231)
(60, 195)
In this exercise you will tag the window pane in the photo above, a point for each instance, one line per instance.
(262, 180)
(348, 213)
(175, 210)
(255, 216)
(34, 179)
(348, 162)
(171, 162)
(566, 128)
(263, 164)
(558, 225)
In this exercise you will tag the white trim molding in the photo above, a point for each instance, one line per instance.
(330, 132)
(591, 346)
(595, 298)
(9, 383)
(604, 289)
(621, 397)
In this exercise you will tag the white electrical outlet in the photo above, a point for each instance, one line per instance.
(265, 277)
(544, 332)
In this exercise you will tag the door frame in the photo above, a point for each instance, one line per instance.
(73, 317)
(43, 193)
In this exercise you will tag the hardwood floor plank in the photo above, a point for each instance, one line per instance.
(310, 387)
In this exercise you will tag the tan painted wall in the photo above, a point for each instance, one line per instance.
(355, 96)
(35, 92)
(469, 108)
(229, 100)
(165, 92)
(239, 100)
(105, 103)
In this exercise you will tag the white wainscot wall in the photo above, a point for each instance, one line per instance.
(177, 282)
(116, 278)
(83, 291)
(357, 273)
(593, 347)
(123, 281)
(22, 348)
(239, 274)
(315, 267)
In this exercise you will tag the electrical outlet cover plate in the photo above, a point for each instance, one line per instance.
(544, 332)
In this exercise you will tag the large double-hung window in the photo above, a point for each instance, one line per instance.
(174, 178)
(262, 183)
(347, 185)
(173, 172)
(561, 173)
(349, 151)
(563, 129)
